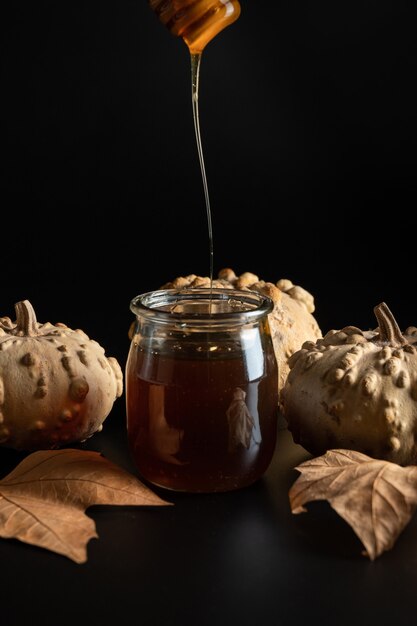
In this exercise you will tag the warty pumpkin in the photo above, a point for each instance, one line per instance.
(356, 389)
(56, 384)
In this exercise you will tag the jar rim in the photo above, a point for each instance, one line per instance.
(148, 305)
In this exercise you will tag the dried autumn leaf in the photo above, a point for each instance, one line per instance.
(42, 501)
(377, 498)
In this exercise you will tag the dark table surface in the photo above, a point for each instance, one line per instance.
(231, 558)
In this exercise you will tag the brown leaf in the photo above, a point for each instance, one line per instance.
(376, 498)
(42, 501)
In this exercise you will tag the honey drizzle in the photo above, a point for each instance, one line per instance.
(195, 79)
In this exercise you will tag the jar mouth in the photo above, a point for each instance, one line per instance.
(202, 306)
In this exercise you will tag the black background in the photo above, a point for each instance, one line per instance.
(308, 123)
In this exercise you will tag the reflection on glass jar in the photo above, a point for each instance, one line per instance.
(201, 388)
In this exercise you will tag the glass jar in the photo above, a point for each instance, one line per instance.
(201, 388)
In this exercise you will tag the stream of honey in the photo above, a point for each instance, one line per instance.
(198, 22)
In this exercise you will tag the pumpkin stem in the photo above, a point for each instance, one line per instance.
(389, 330)
(25, 319)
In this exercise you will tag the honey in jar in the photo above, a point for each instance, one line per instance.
(201, 389)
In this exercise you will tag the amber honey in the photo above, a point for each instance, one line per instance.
(196, 21)
(200, 425)
(202, 406)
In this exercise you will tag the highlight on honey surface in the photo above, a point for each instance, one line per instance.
(196, 21)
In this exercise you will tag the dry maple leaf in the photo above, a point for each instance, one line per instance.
(42, 501)
(376, 498)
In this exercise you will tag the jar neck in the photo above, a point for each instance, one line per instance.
(202, 309)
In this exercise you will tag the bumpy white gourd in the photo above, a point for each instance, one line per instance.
(56, 385)
(356, 390)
